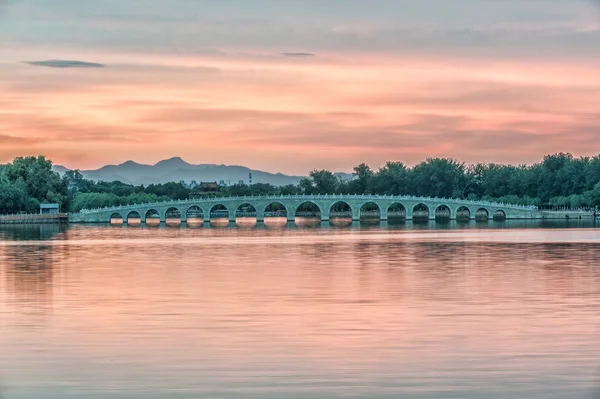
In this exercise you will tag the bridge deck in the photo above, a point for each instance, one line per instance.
(326, 206)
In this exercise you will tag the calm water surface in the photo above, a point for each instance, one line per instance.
(494, 310)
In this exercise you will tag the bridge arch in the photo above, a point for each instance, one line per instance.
(133, 217)
(245, 215)
(443, 213)
(219, 212)
(420, 212)
(396, 211)
(463, 213)
(276, 209)
(116, 219)
(482, 214)
(370, 210)
(173, 216)
(194, 215)
(340, 209)
(499, 215)
(309, 209)
(245, 210)
(152, 217)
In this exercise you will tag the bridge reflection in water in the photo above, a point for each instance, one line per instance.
(322, 207)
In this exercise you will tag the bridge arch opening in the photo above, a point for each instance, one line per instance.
(443, 213)
(219, 215)
(499, 215)
(308, 214)
(116, 219)
(396, 212)
(340, 209)
(463, 214)
(482, 215)
(173, 217)
(420, 213)
(370, 212)
(194, 216)
(152, 217)
(276, 213)
(340, 214)
(245, 215)
(134, 218)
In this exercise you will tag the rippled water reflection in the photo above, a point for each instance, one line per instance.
(493, 310)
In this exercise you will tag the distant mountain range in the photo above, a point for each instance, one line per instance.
(176, 169)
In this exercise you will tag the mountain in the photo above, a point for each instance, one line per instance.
(176, 169)
(60, 169)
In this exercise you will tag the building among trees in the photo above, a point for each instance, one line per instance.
(49, 209)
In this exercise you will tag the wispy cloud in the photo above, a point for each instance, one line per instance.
(299, 54)
(65, 64)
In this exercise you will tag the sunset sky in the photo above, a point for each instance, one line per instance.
(295, 85)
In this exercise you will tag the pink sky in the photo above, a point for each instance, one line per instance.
(495, 84)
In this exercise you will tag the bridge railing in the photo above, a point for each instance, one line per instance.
(341, 197)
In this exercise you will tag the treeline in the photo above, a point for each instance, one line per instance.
(29, 181)
(558, 181)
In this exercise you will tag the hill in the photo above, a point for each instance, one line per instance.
(176, 169)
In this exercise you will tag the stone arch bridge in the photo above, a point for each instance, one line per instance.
(324, 206)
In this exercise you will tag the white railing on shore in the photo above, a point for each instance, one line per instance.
(341, 197)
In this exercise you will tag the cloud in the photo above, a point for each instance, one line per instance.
(299, 54)
(65, 64)
(6, 140)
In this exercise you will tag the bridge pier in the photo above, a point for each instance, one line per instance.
(291, 224)
(383, 214)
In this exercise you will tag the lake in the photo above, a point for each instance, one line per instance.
(476, 310)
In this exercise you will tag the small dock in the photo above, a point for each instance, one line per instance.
(37, 218)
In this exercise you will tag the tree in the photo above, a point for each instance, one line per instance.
(594, 196)
(14, 198)
(438, 177)
(324, 182)
(364, 174)
(391, 179)
(306, 185)
(40, 181)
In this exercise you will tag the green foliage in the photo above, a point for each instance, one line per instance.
(29, 181)
(14, 198)
(391, 179)
(320, 182)
(173, 190)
